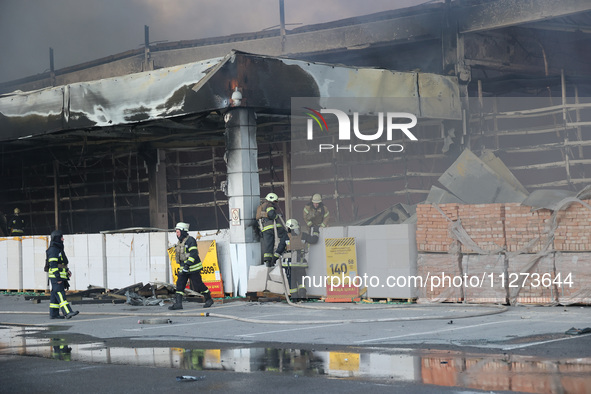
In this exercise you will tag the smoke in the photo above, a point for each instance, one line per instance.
(81, 31)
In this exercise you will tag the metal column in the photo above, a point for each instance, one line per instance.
(243, 194)
(156, 163)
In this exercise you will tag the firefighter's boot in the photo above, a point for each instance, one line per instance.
(178, 302)
(208, 300)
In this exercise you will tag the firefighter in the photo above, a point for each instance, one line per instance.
(17, 224)
(190, 267)
(316, 215)
(268, 216)
(295, 268)
(291, 227)
(56, 264)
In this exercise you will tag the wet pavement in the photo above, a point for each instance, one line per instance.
(413, 348)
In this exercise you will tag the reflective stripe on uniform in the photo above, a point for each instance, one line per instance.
(64, 303)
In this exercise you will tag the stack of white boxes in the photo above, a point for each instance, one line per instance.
(275, 281)
(261, 278)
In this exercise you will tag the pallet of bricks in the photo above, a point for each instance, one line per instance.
(504, 253)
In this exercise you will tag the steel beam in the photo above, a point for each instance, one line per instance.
(505, 13)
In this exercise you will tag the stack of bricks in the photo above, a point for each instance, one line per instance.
(433, 227)
(533, 286)
(433, 268)
(484, 224)
(518, 229)
(522, 227)
(483, 275)
(573, 278)
(574, 229)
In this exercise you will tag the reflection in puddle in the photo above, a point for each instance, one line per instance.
(442, 368)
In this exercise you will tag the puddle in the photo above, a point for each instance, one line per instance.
(441, 368)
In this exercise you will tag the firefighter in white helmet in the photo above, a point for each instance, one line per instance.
(190, 267)
(269, 219)
(293, 262)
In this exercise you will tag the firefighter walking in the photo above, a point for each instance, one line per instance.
(190, 267)
(56, 264)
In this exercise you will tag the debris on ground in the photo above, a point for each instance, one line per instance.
(578, 331)
(187, 378)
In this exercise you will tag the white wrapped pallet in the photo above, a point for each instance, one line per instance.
(33, 258)
(10, 263)
(127, 259)
(159, 263)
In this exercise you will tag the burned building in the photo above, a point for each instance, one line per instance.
(143, 138)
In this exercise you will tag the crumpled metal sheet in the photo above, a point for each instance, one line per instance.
(438, 195)
(474, 182)
(548, 199)
(267, 84)
(129, 99)
(554, 199)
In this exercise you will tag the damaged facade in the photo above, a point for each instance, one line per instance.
(142, 139)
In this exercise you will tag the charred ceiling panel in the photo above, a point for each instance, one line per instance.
(108, 102)
(25, 114)
(440, 96)
(266, 83)
(137, 97)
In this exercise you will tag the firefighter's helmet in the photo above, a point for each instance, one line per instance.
(316, 198)
(292, 224)
(17, 211)
(271, 197)
(182, 226)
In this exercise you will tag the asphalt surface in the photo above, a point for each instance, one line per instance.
(393, 333)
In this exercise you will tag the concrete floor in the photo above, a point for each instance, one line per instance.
(408, 336)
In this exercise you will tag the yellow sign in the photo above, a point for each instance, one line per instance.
(341, 269)
(211, 274)
(343, 361)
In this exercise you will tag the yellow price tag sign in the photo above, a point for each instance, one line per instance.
(341, 269)
(211, 274)
(343, 361)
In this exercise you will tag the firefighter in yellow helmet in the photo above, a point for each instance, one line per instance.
(190, 267)
(17, 224)
(316, 215)
(269, 218)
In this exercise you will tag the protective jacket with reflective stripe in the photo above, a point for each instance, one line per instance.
(192, 261)
(58, 262)
(269, 222)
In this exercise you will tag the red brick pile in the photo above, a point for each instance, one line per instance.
(523, 276)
